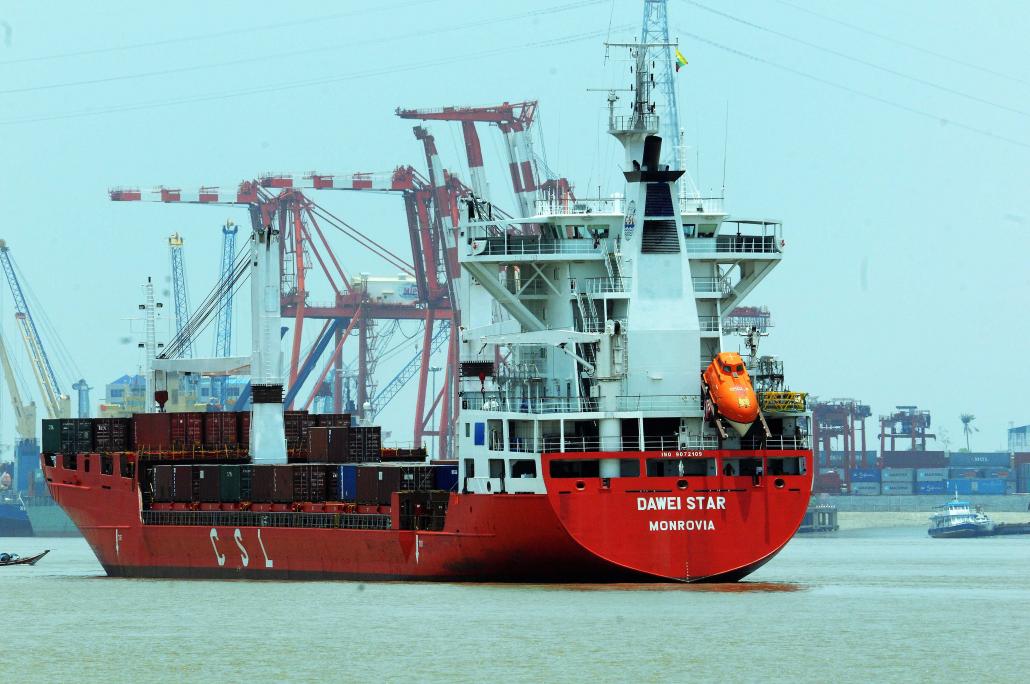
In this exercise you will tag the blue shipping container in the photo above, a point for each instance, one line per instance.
(348, 482)
(446, 478)
(938, 487)
(977, 486)
(865, 474)
(980, 459)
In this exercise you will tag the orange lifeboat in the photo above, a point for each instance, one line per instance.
(729, 388)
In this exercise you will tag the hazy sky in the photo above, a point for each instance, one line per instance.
(891, 138)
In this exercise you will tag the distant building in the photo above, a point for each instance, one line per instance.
(1019, 438)
(127, 395)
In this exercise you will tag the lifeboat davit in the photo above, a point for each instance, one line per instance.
(729, 388)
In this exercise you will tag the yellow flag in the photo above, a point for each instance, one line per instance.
(681, 61)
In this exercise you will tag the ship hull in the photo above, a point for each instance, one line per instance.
(48, 519)
(604, 531)
(13, 521)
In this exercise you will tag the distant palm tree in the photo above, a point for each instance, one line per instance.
(967, 426)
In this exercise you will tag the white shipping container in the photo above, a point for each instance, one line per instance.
(931, 475)
(897, 475)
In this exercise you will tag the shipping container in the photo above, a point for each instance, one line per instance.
(246, 482)
(445, 477)
(243, 427)
(295, 424)
(1020, 458)
(932, 475)
(332, 419)
(328, 444)
(348, 482)
(220, 430)
(963, 473)
(112, 434)
(76, 435)
(229, 484)
(262, 483)
(976, 486)
(152, 431)
(283, 478)
(998, 473)
(865, 474)
(1023, 482)
(865, 488)
(935, 487)
(897, 475)
(895, 488)
(163, 487)
(827, 482)
(208, 485)
(981, 459)
(366, 485)
(51, 442)
(914, 459)
(187, 430)
(182, 483)
(308, 483)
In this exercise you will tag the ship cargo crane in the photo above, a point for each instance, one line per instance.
(58, 404)
(514, 120)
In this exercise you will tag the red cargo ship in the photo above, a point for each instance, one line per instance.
(597, 451)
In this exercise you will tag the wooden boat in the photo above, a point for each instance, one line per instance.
(31, 560)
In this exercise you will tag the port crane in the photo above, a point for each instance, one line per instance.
(180, 293)
(26, 445)
(57, 404)
(223, 324)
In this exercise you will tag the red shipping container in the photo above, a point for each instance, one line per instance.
(152, 431)
(283, 475)
(187, 430)
(220, 430)
(262, 483)
(1020, 459)
(243, 421)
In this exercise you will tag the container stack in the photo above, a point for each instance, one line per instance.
(865, 481)
(931, 481)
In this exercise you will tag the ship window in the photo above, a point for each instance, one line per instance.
(69, 462)
(786, 466)
(576, 468)
(679, 467)
(126, 466)
(106, 464)
(740, 368)
(726, 369)
(85, 464)
(496, 467)
(49, 460)
(741, 466)
(629, 467)
(470, 467)
(523, 468)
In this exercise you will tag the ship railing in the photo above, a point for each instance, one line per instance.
(701, 205)
(519, 286)
(599, 285)
(711, 284)
(561, 207)
(516, 245)
(776, 443)
(629, 443)
(782, 402)
(660, 402)
(709, 323)
(500, 403)
(354, 521)
(633, 122)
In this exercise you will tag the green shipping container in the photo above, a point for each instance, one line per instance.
(229, 484)
(51, 435)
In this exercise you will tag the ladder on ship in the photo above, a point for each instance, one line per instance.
(589, 320)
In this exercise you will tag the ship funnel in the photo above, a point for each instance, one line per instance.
(652, 153)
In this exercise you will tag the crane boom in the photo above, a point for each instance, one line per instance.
(179, 291)
(57, 403)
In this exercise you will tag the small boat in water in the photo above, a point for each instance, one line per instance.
(15, 559)
(959, 519)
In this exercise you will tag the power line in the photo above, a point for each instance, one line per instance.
(297, 53)
(292, 85)
(218, 34)
(861, 61)
(855, 91)
(910, 46)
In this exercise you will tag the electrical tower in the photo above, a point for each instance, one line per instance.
(179, 291)
(656, 30)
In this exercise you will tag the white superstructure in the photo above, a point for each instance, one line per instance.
(610, 309)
